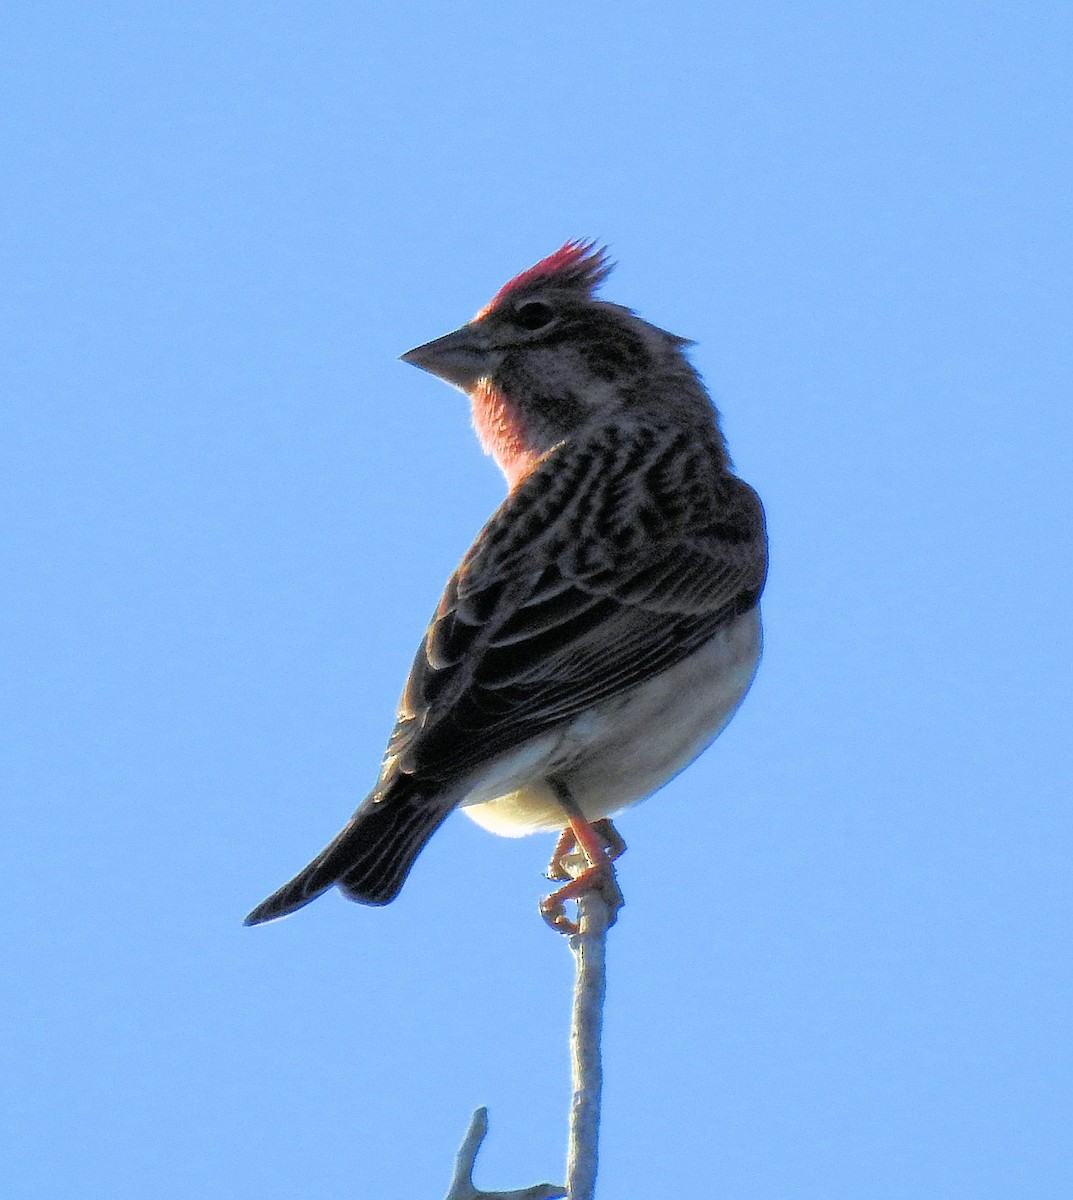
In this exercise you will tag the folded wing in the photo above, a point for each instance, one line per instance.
(600, 571)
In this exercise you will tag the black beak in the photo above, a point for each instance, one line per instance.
(459, 358)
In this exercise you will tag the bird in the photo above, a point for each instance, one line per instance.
(604, 626)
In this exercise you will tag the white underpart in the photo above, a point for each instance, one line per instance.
(625, 748)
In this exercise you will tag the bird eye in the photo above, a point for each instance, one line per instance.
(534, 315)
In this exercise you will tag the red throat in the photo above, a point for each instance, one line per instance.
(502, 433)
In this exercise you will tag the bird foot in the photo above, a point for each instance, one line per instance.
(584, 856)
(568, 854)
(600, 879)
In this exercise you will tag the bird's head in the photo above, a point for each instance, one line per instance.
(545, 358)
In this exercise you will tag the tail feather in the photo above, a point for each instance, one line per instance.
(368, 860)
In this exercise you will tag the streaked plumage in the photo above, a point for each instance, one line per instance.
(603, 627)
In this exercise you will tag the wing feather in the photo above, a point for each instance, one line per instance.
(617, 558)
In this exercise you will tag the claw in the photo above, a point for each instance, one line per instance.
(613, 840)
(600, 844)
(598, 878)
(612, 848)
(556, 871)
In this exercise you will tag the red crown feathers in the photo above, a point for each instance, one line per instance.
(578, 264)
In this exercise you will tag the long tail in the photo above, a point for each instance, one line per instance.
(369, 859)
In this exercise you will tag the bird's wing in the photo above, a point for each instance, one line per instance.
(620, 555)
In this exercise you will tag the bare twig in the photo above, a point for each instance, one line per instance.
(462, 1185)
(596, 912)
(588, 946)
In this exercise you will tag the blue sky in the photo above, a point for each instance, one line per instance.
(844, 968)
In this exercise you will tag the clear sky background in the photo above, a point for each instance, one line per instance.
(844, 970)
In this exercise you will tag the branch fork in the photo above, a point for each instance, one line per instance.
(462, 1185)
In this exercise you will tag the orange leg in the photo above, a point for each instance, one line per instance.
(601, 844)
(613, 846)
(566, 843)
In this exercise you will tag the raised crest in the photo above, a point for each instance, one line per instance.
(578, 264)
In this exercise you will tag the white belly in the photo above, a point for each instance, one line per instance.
(624, 749)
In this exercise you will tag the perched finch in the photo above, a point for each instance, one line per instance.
(603, 628)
